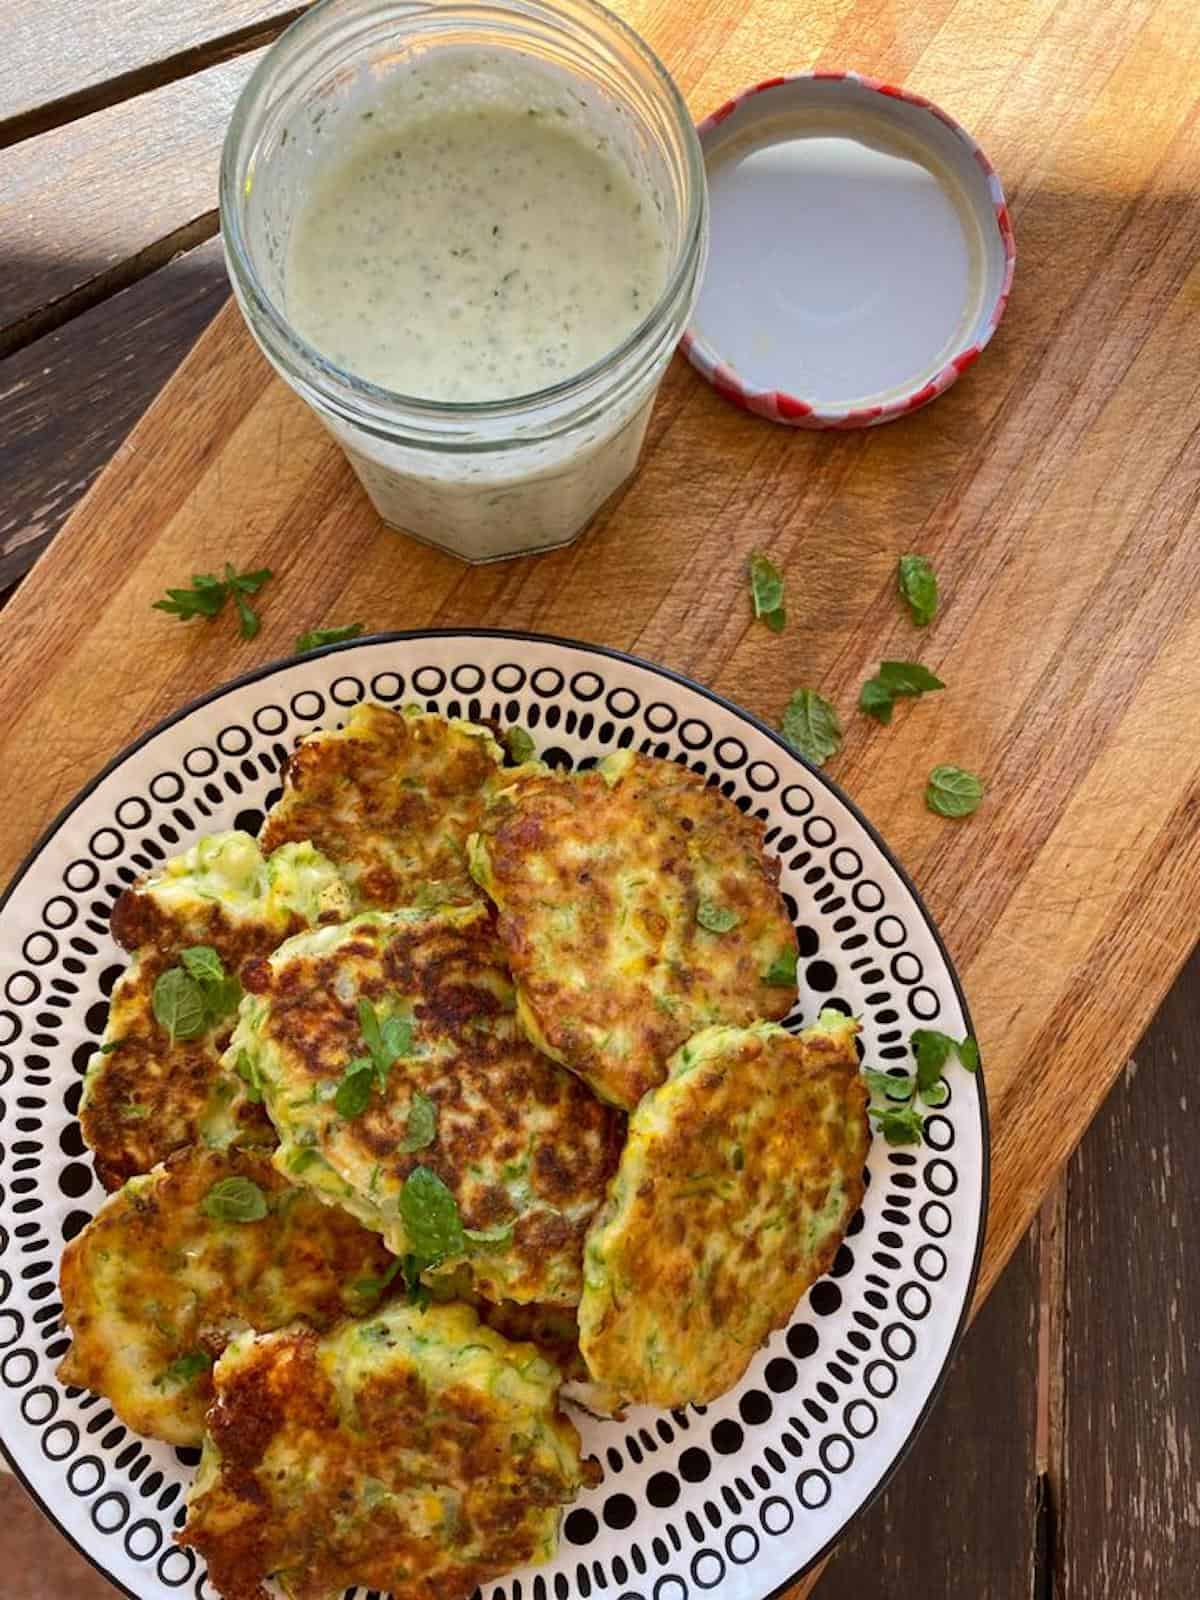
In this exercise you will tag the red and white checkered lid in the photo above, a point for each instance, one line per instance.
(861, 251)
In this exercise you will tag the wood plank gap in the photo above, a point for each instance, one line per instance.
(141, 80)
(1052, 1273)
(108, 283)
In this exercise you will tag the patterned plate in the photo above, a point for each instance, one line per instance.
(737, 1497)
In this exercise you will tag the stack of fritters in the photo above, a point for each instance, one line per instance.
(424, 1095)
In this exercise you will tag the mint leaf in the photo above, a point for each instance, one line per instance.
(184, 1369)
(875, 698)
(395, 1040)
(782, 971)
(235, 1200)
(716, 918)
(951, 792)
(354, 1091)
(810, 726)
(178, 1005)
(519, 745)
(203, 963)
(368, 1023)
(918, 586)
(429, 1214)
(907, 677)
(766, 591)
(317, 638)
(421, 1127)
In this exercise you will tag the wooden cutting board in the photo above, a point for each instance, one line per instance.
(1056, 488)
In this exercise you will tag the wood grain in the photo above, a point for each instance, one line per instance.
(63, 60)
(70, 399)
(1056, 487)
(90, 207)
(925, 1536)
(1129, 1521)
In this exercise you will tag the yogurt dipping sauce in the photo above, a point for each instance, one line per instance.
(473, 259)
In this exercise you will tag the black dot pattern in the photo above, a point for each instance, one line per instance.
(754, 1480)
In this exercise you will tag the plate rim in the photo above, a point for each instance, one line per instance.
(528, 636)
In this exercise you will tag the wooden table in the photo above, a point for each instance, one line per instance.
(1056, 487)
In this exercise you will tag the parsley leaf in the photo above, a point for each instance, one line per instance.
(317, 638)
(519, 745)
(918, 586)
(782, 971)
(429, 1213)
(715, 917)
(208, 594)
(951, 792)
(932, 1050)
(968, 1053)
(184, 1369)
(889, 1087)
(421, 1127)
(902, 1126)
(178, 1004)
(810, 726)
(766, 591)
(235, 1200)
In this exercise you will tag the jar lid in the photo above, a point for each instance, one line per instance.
(861, 253)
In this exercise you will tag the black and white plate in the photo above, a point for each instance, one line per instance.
(735, 1498)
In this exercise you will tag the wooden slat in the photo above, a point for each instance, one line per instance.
(959, 1517)
(64, 60)
(69, 399)
(1129, 1517)
(36, 1565)
(88, 207)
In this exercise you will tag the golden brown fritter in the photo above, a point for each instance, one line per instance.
(416, 1453)
(735, 1188)
(391, 798)
(636, 907)
(155, 1286)
(523, 1148)
(147, 1094)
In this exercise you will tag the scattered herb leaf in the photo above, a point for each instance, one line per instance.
(932, 1050)
(902, 1126)
(951, 792)
(429, 1213)
(178, 1004)
(968, 1053)
(889, 1087)
(370, 1289)
(908, 677)
(317, 638)
(421, 1127)
(810, 726)
(235, 1200)
(201, 961)
(876, 699)
(918, 586)
(782, 971)
(716, 918)
(766, 591)
(113, 1044)
(207, 596)
(354, 1091)
(247, 1070)
(519, 745)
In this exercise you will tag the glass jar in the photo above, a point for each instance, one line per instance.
(502, 477)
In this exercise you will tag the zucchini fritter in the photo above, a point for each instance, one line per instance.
(146, 1094)
(735, 1188)
(523, 1148)
(391, 798)
(636, 907)
(155, 1287)
(416, 1453)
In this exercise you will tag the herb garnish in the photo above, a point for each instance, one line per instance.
(431, 1221)
(315, 638)
(782, 971)
(810, 726)
(918, 586)
(235, 1200)
(951, 792)
(895, 679)
(421, 1128)
(894, 1097)
(766, 591)
(385, 1043)
(715, 917)
(189, 999)
(207, 596)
